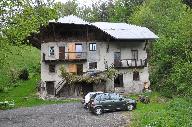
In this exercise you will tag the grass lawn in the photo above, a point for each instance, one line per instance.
(163, 112)
(24, 95)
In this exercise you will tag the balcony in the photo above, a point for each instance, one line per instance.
(130, 63)
(68, 57)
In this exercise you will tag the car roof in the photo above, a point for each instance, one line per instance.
(95, 92)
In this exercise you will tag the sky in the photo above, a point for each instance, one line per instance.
(83, 2)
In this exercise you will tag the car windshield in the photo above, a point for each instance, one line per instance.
(93, 96)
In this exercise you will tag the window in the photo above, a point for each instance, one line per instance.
(52, 68)
(136, 76)
(78, 50)
(51, 51)
(134, 54)
(92, 46)
(104, 97)
(114, 96)
(93, 65)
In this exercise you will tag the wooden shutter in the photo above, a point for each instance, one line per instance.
(61, 52)
(72, 68)
(71, 48)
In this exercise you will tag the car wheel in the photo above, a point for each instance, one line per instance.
(130, 107)
(98, 111)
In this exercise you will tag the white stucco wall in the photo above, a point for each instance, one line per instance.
(100, 56)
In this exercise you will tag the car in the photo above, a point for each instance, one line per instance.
(86, 100)
(110, 102)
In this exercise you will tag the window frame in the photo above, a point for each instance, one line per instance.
(53, 51)
(137, 54)
(136, 76)
(52, 68)
(94, 63)
(91, 47)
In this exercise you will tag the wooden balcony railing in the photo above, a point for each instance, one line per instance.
(130, 63)
(67, 56)
(73, 56)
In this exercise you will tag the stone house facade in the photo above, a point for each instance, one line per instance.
(94, 47)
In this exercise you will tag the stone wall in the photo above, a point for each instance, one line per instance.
(104, 54)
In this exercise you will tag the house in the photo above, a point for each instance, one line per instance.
(84, 47)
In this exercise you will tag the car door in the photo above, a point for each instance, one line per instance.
(118, 102)
(106, 102)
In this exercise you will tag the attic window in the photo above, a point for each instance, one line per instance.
(93, 65)
(51, 51)
(92, 46)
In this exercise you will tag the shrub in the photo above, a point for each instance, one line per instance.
(24, 74)
(13, 75)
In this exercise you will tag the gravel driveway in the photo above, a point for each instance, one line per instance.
(60, 115)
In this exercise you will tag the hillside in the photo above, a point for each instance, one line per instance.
(13, 60)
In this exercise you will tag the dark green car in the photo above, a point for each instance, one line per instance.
(110, 102)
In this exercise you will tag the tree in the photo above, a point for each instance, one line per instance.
(123, 9)
(172, 54)
(68, 8)
(20, 19)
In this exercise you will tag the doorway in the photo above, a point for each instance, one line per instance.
(50, 87)
(118, 81)
(79, 69)
(86, 88)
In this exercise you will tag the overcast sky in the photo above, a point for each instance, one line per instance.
(83, 2)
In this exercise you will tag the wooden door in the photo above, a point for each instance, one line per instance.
(50, 87)
(79, 69)
(61, 53)
(72, 68)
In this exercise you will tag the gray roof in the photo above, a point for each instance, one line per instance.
(115, 30)
(71, 19)
(125, 31)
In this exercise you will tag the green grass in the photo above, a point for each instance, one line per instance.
(163, 112)
(24, 94)
(12, 60)
(15, 58)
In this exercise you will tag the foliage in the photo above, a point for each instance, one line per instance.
(123, 9)
(162, 112)
(18, 20)
(25, 94)
(188, 3)
(24, 74)
(72, 79)
(14, 75)
(171, 55)
(15, 58)
(22, 25)
(68, 8)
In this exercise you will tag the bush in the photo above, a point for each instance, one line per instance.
(24, 74)
(13, 75)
